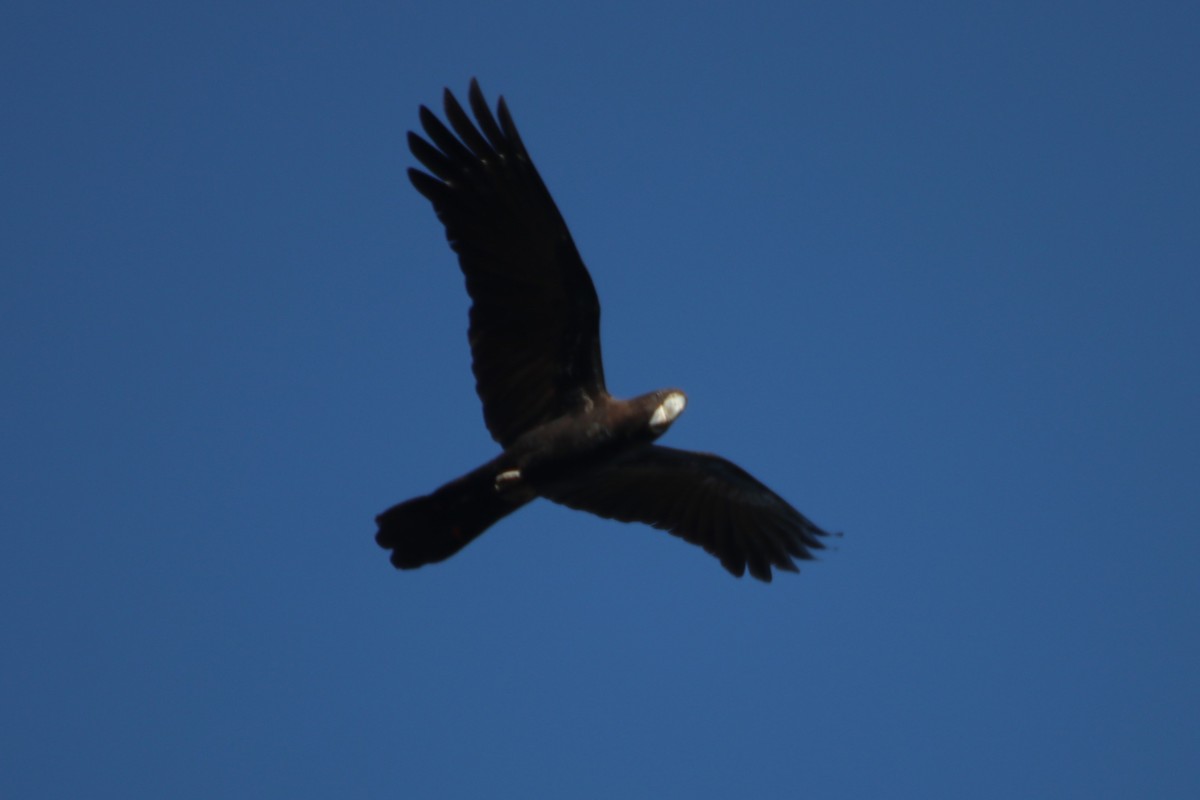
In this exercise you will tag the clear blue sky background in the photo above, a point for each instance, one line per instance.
(929, 270)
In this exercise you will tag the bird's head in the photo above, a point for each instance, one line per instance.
(667, 404)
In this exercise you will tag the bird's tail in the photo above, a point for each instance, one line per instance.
(432, 528)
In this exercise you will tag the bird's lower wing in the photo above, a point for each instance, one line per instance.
(701, 498)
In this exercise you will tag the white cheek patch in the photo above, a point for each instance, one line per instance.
(667, 411)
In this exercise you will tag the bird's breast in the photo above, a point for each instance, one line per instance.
(568, 445)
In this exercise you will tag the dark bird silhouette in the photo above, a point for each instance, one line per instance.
(535, 347)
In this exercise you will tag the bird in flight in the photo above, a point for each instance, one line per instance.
(535, 347)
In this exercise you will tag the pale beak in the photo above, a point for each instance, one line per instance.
(670, 408)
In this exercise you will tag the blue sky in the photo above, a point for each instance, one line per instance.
(928, 270)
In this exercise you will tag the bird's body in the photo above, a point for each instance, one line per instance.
(535, 343)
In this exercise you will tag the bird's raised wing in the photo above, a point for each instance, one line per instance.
(702, 498)
(535, 318)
